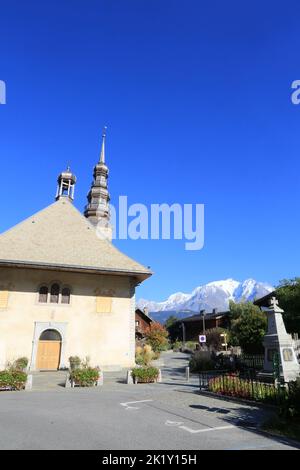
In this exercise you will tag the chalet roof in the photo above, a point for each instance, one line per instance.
(60, 237)
(143, 315)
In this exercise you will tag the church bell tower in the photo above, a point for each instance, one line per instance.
(97, 208)
(66, 185)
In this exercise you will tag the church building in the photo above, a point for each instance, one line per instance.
(65, 289)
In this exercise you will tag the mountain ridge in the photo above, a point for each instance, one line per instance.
(216, 294)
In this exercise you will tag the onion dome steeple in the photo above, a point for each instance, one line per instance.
(97, 209)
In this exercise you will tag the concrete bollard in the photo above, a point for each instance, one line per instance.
(129, 377)
(187, 374)
(68, 382)
(28, 385)
(159, 378)
(100, 380)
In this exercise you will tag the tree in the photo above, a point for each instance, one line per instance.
(157, 336)
(288, 295)
(170, 321)
(174, 328)
(214, 340)
(248, 327)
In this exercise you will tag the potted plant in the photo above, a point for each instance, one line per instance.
(75, 362)
(145, 374)
(85, 376)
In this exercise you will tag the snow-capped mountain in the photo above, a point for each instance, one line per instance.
(208, 296)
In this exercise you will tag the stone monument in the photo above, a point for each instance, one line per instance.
(277, 340)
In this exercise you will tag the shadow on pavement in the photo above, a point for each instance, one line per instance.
(248, 419)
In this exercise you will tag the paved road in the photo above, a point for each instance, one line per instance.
(170, 415)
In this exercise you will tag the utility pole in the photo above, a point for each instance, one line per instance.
(183, 334)
(203, 320)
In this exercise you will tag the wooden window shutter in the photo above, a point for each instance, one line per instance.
(3, 299)
(103, 304)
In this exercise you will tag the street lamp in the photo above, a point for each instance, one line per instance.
(224, 335)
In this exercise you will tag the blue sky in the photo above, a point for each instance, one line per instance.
(196, 97)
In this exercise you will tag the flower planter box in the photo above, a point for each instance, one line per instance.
(11, 380)
(137, 381)
(84, 378)
(154, 375)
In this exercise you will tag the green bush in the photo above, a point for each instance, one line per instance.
(290, 407)
(201, 362)
(191, 345)
(20, 364)
(214, 340)
(176, 346)
(144, 355)
(139, 360)
(85, 377)
(13, 379)
(145, 374)
(157, 337)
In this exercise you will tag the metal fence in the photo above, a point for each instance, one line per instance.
(205, 377)
(253, 361)
(233, 385)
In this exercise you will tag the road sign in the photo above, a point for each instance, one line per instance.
(202, 339)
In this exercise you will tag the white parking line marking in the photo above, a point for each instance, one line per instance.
(127, 407)
(173, 423)
(194, 431)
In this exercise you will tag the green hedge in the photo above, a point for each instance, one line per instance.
(145, 374)
(200, 361)
(85, 377)
(12, 379)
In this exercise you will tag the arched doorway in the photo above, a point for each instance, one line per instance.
(49, 349)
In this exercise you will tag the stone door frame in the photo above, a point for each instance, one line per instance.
(39, 328)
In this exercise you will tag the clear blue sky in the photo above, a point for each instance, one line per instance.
(196, 96)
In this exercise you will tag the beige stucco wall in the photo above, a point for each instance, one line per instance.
(107, 338)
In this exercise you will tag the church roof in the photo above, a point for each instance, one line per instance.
(60, 237)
